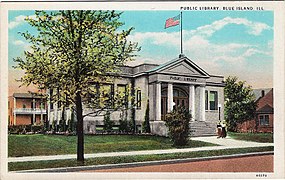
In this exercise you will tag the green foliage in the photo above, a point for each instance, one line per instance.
(38, 128)
(146, 125)
(71, 123)
(124, 125)
(177, 122)
(61, 125)
(24, 145)
(23, 129)
(53, 126)
(256, 137)
(71, 50)
(108, 123)
(240, 103)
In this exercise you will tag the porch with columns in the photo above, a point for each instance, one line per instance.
(192, 88)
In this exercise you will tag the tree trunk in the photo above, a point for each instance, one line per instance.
(80, 135)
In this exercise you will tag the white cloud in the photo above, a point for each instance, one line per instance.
(251, 52)
(254, 28)
(157, 38)
(211, 56)
(19, 20)
(19, 42)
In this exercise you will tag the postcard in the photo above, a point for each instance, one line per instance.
(142, 90)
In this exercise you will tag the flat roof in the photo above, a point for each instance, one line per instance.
(27, 95)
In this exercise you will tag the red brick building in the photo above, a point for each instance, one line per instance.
(264, 116)
(26, 108)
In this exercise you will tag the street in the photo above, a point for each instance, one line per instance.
(262, 163)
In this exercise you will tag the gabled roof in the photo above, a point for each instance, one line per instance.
(258, 92)
(177, 61)
(265, 109)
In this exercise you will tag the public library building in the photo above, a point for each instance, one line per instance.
(177, 82)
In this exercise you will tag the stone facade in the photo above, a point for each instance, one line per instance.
(177, 82)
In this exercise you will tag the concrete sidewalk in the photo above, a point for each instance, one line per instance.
(229, 142)
(225, 143)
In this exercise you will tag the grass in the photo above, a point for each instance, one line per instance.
(256, 137)
(16, 166)
(38, 144)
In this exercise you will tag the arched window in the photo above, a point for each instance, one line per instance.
(177, 92)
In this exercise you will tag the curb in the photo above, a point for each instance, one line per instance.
(146, 163)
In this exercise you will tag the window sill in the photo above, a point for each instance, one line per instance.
(211, 110)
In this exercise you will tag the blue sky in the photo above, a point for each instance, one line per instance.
(237, 43)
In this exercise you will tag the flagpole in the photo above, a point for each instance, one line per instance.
(181, 47)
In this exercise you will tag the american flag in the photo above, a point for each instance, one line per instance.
(174, 21)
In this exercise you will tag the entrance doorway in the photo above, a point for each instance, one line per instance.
(180, 98)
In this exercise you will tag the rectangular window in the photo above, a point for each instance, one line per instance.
(264, 120)
(106, 95)
(206, 100)
(213, 99)
(58, 97)
(139, 99)
(122, 92)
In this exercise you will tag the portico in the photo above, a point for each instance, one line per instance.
(174, 94)
(181, 82)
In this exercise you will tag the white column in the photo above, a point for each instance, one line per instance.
(158, 101)
(41, 108)
(15, 116)
(34, 110)
(192, 101)
(169, 97)
(48, 107)
(202, 103)
(55, 112)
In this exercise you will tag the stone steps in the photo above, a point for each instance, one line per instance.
(202, 128)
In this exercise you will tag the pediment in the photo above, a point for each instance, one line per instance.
(182, 68)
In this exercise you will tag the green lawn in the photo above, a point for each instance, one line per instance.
(257, 137)
(38, 144)
(16, 166)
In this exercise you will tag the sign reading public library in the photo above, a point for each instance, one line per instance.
(177, 79)
(182, 78)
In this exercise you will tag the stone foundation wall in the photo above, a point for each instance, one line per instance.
(158, 128)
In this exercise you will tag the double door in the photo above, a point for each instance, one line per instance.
(179, 101)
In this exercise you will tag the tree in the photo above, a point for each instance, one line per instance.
(240, 102)
(108, 123)
(177, 122)
(146, 125)
(73, 51)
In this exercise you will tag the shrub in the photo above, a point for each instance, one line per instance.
(108, 124)
(177, 122)
(53, 126)
(37, 128)
(125, 126)
(23, 129)
(146, 125)
(62, 125)
(71, 123)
